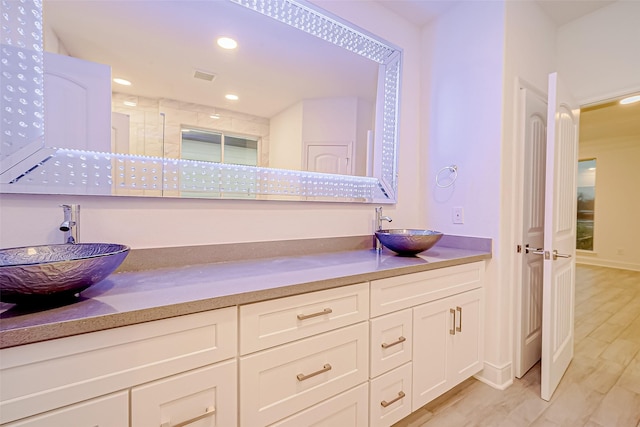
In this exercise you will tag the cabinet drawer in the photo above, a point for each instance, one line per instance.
(203, 394)
(400, 292)
(106, 411)
(270, 323)
(391, 341)
(347, 409)
(390, 396)
(47, 375)
(278, 382)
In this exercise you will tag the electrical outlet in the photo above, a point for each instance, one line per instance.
(458, 215)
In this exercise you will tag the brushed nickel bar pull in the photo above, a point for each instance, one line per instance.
(398, 341)
(207, 413)
(459, 328)
(452, 331)
(319, 313)
(384, 403)
(325, 368)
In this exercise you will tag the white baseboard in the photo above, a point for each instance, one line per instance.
(607, 263)
(498, 377)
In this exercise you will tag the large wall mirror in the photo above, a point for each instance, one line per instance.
(304, 107)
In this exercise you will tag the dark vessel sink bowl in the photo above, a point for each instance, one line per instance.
(39, 274)
(405, 241)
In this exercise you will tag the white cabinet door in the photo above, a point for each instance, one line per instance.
(448, 344)
(206, 395)
(106, 411)
(466, 347)
(431, 325)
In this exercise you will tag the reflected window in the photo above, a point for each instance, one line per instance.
(586, 204)
(214, 146)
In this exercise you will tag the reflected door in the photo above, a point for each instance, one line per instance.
(329, 157)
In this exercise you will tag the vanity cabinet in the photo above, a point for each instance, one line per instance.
(366, 354)
(297, 352)
(430, 351)
(46, 376)
(447, 344)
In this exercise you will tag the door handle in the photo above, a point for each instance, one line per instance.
(459, 328)
(537, 251)
(556, 255)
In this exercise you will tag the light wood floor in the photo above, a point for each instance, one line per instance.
(601, 388)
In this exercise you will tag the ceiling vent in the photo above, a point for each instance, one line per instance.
(204, 75)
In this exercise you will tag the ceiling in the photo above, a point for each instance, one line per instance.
(420, 12)
(175, 38)
(610, 121)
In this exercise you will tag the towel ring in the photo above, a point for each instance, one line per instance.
(453, 171)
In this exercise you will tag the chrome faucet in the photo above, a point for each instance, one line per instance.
(71, 223)
(379, 219)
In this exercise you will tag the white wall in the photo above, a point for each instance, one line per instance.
(463, 74)
(617, 207)
(599, 54)
(153, 222)
(285, 149)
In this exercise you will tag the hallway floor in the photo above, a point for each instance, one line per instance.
(601, 388)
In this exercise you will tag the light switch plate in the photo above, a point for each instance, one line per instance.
(458, 215)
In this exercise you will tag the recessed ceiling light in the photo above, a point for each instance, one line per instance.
(630, 99)
(130, 103)
(231, 97)
(122, 81)
(215, 116)
(227, 43)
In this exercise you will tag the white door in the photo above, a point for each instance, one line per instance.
(78, 103)
(530, 292)
(559, 236)
(329, 157)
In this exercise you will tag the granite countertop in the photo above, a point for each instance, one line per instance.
(128, 298)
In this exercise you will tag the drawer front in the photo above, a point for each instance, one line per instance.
(400, 292)
(349, 409)
(106, 411)
(391, 341)
(203, 394)
(270, 323)
(278, 382)
(47, 375)
(390, 397)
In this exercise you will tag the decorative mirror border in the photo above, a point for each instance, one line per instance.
(85, 172)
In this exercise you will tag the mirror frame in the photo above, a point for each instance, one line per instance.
(38, 164)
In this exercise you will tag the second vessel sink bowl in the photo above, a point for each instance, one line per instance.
(406, 241)
(40, 274)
